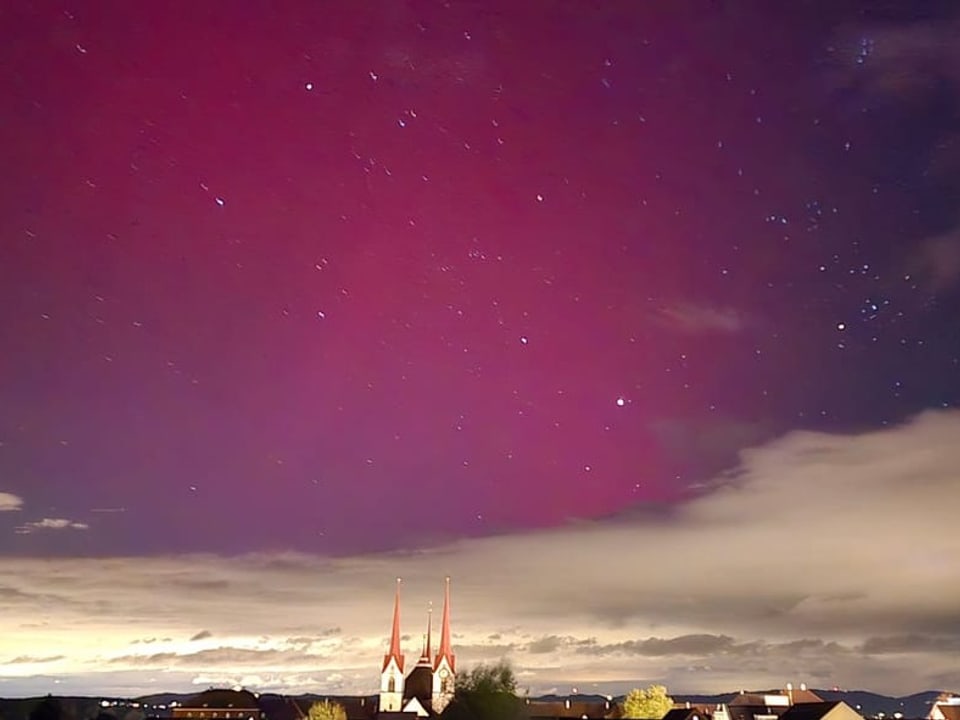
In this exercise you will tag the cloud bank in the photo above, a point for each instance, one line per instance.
(824, 558)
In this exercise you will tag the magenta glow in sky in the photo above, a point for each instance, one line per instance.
(342, 279)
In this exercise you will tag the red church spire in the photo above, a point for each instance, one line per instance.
(428, 651)
(445, 651)
(395, 653)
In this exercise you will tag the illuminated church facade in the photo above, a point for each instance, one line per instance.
(428, 687)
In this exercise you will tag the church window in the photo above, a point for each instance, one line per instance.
(392, 685)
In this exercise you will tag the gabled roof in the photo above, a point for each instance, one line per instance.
(576, 709)
(810, 711)
(950, 712)
(748, 712)
(688, 713)
(414, 705)
(784, 697)
(802, 695)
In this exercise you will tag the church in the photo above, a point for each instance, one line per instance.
(428, 687)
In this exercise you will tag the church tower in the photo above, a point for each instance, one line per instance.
(391, 676)
(444, 665)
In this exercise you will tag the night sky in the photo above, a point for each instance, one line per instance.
(341, 291)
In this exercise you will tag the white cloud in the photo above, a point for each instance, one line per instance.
(50, 524)
(9, 502)
(825, 558)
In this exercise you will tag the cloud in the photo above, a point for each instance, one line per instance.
(225, 657)
(824, 556)
(308, 640)
(937, 261)
(911, 71)
(10, 502)
(50, 524)
(692, 318)
(30, 660)
(657, 647)
(547, 644)
(202, 635)
(905, 62)
(910, 644)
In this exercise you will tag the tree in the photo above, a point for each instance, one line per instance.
(48, 709)
(650, 704)
(486, 693)
(327, 710)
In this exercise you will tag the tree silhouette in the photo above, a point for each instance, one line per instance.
(48, 709)
(486, 693)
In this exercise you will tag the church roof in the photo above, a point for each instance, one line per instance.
(419, 684)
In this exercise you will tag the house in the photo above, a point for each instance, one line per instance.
(835, 710)
(215, 704)
(571, 708)
(945, 707)
(688, 711)
(770, 706)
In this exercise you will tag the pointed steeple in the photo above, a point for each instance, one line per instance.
(425, 652)
(429, 652)
(395, 653)
(446, 650)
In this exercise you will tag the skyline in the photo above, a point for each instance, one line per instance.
(637, 321)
